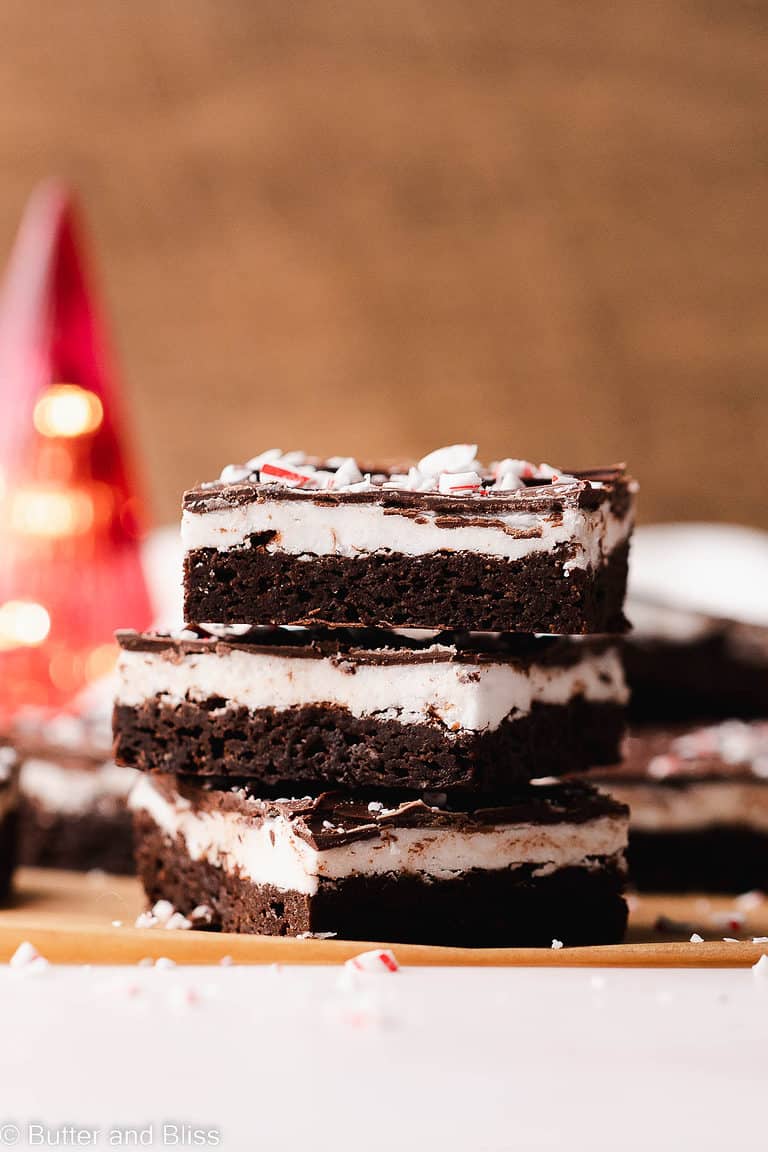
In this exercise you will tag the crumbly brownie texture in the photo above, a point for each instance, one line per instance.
(445, 589)
(548, 865)
(721, 858)
(330, 746)
(434, 715)
(76, 842)
(684, 667)
(482, 909)
(513, 548)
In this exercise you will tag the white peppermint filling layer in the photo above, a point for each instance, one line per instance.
(463, 697)
(269, 852)
(75, 790)
(306, 529)
(705, 804)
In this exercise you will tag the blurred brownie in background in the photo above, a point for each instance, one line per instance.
(683, 665)
(698, 800)
(9, 805)
(73, 811)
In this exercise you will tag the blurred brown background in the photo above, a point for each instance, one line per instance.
(372, 226)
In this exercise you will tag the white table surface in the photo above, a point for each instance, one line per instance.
(427, 1058)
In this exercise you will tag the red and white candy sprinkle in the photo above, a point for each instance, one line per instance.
(28, 958)
(176, 922)
(342, 473)
(761, 967)
(346, 474)
(255, 463)
(378, 960)
(455, 458)
(234, 473)
(732, 920)
(748, 901)
(457, 483)
(292, 475)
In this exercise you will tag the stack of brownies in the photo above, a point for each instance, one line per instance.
(696, 768)
(367, 741)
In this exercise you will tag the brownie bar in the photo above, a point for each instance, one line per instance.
(77, 842)
(548, 866)
(699, 807)
(9, 800)
(73, 812)
(725, 858)
(684, 666)
(388, 590)
(323, 707)
(8, 853)
(518, 549)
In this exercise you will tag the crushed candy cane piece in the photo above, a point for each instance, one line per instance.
(225, 630)
(363, 485)
(661, 766)
(748, 901)
(26, 956)
(146, 920)
(377, 960)
(278, 472)
(554, 475)
(234, 473)
(557, 944)
(182, 996)
(732, 920)
(454, 483)
(760, 939)
(163, 910)
(455, 458)
(177, 921)
(696, 938)
(347, 473)
(255, 462)
(760, 968)
(202, 914)
(183, 634)
(523, 469)
(508, 482)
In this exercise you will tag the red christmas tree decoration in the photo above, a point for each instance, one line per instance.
(70, 565)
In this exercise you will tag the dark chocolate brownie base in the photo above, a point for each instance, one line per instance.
(509, 908)
(458, 590)
(721, 859)
(319, 744)
(77, 843)
(702, 681)
(8, 853)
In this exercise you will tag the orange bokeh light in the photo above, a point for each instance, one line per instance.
(50, 511)
(67, 410)
(23, 624)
